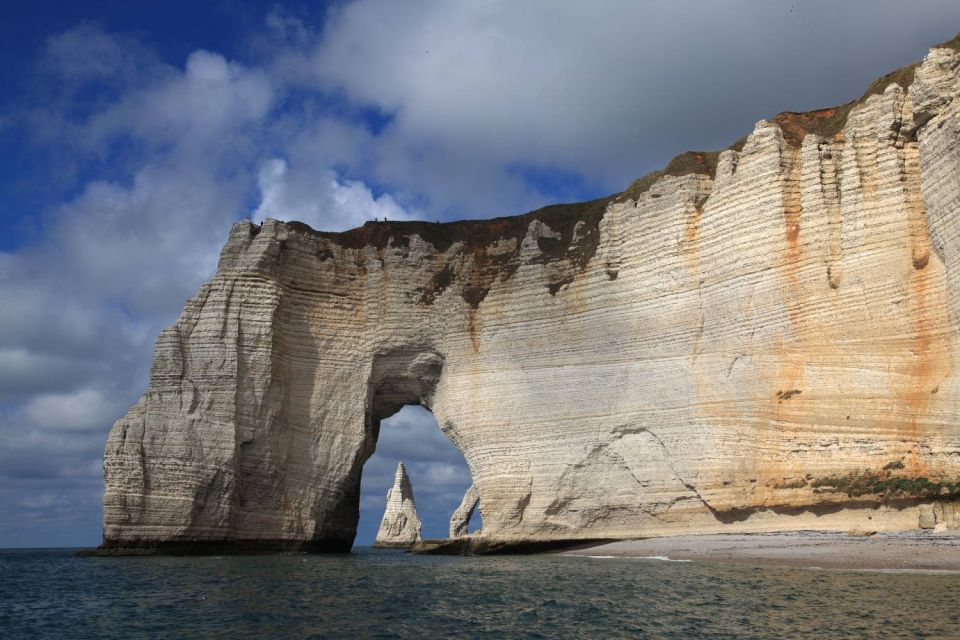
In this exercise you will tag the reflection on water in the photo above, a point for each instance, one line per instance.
(384, 594)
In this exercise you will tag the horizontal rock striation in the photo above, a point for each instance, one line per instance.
(761, 338)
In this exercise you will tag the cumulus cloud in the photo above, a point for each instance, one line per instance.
(212, 97)
(322, 201)
(83, 409)
(87, 52)
(148, 243)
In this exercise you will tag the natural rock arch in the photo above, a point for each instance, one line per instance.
(760, 338)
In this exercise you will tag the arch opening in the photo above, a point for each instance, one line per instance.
(400, 427)
(437, 470)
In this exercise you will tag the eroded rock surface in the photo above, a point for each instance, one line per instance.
(460, 520)
(761, 338)
(400, 526)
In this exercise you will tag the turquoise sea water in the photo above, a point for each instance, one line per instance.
(386, 594)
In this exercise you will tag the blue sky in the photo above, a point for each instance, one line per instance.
(132, 134)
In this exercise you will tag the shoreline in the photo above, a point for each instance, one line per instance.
(903, 551)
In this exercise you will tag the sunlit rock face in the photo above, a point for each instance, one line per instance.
(400, 526)
(764, 338)
(460, 520)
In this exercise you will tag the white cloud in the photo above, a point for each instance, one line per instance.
(87, 52)
(83, 409)
(211, 97)
(151, 243)
(322, 201)
(211, 109)
(39, 501)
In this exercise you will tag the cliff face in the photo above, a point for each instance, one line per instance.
(764, 338)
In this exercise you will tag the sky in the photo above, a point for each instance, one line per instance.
(133, 134)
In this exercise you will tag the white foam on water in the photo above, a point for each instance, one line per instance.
(662, 559)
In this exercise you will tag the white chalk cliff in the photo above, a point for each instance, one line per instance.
(400, 526)
(762, 338)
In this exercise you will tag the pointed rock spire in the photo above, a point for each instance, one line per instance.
(460, 519)
(400, 526)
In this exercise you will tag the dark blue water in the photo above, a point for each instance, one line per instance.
(382, 594)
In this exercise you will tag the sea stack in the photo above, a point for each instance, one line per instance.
(400, 527)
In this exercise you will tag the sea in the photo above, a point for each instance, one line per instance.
(53, 593)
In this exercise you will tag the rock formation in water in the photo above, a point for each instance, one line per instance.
(760, 338)
(400, 526)
(460, 520)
